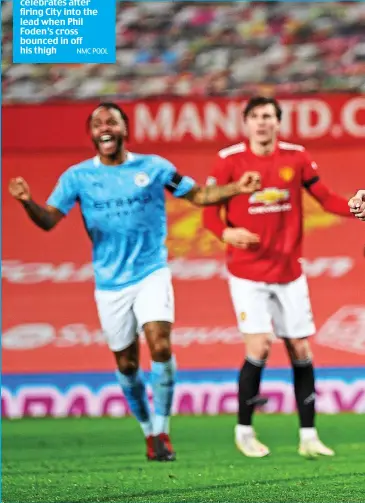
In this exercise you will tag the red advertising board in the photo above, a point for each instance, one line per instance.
(320, 120)
(49, 318)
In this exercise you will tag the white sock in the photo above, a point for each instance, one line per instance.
(161, 424)
(146, 428)
(242, 429)
(307, 434)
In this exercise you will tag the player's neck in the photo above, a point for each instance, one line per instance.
(263, 149)
(114, 160)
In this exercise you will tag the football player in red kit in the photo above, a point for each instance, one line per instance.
(264, 232)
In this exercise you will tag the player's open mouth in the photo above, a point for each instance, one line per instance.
(107, 141)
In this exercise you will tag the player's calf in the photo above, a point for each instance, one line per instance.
(257, 350)
(163, 378)
(304, 388)
(132, 382)
(304, 383)
(248, 399)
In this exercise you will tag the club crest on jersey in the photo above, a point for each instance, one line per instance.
(141, 179)
(286, 173)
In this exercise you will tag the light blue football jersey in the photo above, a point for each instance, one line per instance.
(123, 209)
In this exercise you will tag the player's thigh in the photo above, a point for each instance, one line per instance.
(117, 318)
(251, 305)
(154, 308)
(155, 299)
(291, 310)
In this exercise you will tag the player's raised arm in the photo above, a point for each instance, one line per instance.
(60, 202)
(44, 217)
(330, 201)
(217, 194)
(186, 188)
(357, 205)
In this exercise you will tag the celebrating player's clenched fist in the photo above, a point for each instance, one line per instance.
(357, 205)
(249, 182)
(19, 189)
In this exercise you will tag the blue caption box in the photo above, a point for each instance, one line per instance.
(64, 31)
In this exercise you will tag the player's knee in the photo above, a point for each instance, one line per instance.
(158, 338)
(263, 351)
(299, 349)
(161, 347)
(127, 360)
(258, 346)
(127, 367)
(161, 350)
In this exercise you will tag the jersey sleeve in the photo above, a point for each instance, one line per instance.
(330, 201)
(175, 183)
(65, 193)
(310, 174)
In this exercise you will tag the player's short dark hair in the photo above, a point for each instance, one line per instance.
(109, 106)
(259, 101)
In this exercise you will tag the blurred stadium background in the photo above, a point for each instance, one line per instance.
(184, 71)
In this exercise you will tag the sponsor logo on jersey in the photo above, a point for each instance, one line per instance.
(270, 195)
(270, 200)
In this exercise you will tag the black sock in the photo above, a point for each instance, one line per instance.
(248, 389)
(304, 391)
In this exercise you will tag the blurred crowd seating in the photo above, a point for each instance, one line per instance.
(208, 49)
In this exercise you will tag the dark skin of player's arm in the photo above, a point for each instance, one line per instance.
(45, 218)
(216, 194)
(212, 194)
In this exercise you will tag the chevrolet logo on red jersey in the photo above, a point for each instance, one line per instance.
(270, 195)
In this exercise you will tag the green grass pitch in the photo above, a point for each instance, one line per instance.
(94, 460)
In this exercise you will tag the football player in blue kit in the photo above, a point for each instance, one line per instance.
(122, 201)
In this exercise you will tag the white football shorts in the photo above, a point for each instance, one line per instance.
(282, 309)
(122, 313)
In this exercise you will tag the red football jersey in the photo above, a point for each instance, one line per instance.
(274, 212)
